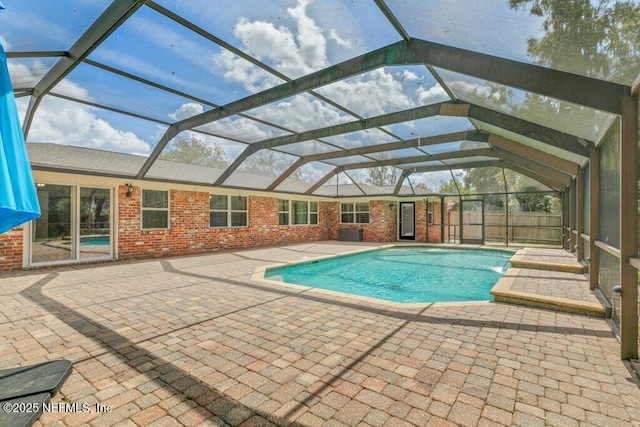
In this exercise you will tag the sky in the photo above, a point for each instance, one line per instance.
(294, 37)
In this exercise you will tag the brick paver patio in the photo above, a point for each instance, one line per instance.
(193, 341)
(557, 284)
(549, 255)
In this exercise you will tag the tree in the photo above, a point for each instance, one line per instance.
(269, 163)
(423, 187)
(195, 151)
(382, 175)
(484, 180)
(596, 38)
(600, 38)
(449, 187)
(535, 202)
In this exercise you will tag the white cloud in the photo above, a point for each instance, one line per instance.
(333, 35)
(483, 91)
(302, 113)
(427, 96)
(5, 43)
(63, 122)
(240, 71)
(409, 75)
(187, 110)
(433, 180)
(370, 94)
(311, 41)
(293, 54)
(241, 129)
(26, 76)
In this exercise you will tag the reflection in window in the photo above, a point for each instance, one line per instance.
(283, 212)
(357, 213)
(155, 209)
(95, 222)
(298, 212)
(52, 232)
(228, 211)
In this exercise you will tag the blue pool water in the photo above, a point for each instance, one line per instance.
(93, 241)
(418, 274)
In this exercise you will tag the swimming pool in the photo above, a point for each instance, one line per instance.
(415, 274)
(93, 241)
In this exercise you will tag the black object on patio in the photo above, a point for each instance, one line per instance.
(24, 391)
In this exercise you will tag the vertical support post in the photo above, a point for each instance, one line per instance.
(460, 219)
(442, 219)
(580, 213)
(565, 218)
(572, 215)
(594, 217)
(506, 214)
(483, 226)
(629, 228)
(506, 208)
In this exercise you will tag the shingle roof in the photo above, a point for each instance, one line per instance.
(80, 160)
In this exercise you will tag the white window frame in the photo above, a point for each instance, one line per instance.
(229, 211)
(29, 229)
(290, 216)
(143, 209)
(354, 212)
(286, 211)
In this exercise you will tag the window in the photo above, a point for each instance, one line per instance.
(227, 211)
(284, 212)
(357, 213)
(297, 212)
(313, 213)
(155, 209)
(362, 213)
(347, 213)
(300, 212)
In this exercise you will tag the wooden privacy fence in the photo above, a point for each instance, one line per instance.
(524, 227)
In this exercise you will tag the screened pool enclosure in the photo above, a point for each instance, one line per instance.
(495, 108)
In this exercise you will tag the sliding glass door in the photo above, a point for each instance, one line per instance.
(52, 233)
(75, 224)
(95, 223)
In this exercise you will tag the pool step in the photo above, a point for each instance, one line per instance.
(527, 287)
(546, 259)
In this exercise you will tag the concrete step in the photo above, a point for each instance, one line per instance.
(526, 287)
(552, 260)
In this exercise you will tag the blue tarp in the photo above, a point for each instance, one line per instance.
(18, 198)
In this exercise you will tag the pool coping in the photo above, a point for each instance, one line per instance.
(502, 292)
(259, 272)
(518, 260)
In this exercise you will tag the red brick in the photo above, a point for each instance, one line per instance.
(189, 231)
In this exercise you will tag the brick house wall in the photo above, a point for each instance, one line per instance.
(434, 230)
(421, 221)
(11, 250)
(189, 231)
(383, 222)
(382, 226)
